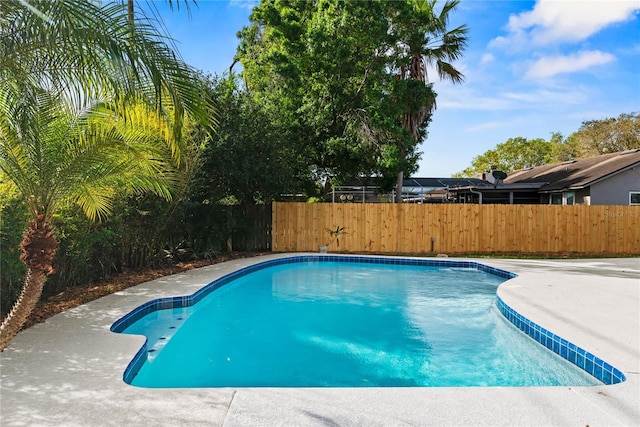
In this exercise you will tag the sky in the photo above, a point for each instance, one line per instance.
(531, 68)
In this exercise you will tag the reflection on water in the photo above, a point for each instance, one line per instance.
(347, 325)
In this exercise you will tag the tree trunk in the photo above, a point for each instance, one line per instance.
(412, 121)
(400, 175)
(399, 180)
(29, 297)
(38, 248)
(130, 12)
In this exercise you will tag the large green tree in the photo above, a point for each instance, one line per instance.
(247, 158)
(596, 137)
(320, 67)
(65, 66)
(248, 161)
(513, 154)
(350, 78)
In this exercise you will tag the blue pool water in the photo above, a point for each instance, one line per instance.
(346, 324)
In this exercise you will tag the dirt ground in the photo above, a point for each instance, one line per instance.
(73, 297)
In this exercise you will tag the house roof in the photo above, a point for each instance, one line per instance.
(576, 174)
(501, 187)
(441, 182)
(432, 183)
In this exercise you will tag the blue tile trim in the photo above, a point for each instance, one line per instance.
(135, 365)
(581, 358)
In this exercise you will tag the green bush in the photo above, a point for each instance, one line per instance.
(85, 254)
(13, 222)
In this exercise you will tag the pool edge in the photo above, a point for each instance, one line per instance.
(574, 354)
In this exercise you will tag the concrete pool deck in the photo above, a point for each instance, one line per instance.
(68, 370)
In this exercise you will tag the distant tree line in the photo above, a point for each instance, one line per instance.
(595, 137)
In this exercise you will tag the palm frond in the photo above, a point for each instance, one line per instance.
(52, 152)
(90, 52)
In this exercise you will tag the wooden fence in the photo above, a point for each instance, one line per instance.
(457, 228)
(253, 231)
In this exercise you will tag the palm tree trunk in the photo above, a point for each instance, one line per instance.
(29, 297)
(38, 248)
(412, 120)
(399, 180)
(130, 12)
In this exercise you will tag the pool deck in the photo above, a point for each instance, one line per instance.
(68, 370)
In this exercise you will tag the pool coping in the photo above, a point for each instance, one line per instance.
(68, 370)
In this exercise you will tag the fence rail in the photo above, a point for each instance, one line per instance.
(457, 228)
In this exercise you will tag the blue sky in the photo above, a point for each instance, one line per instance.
(531, 68)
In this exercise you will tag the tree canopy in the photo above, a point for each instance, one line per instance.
(604, 136)
(337, 74)
(513, 154)
(248, 158)
(594, 137)
(83, 52)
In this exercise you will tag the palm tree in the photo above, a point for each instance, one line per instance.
(429, 42)
(52, 154)
(65, 66)
(85, 52)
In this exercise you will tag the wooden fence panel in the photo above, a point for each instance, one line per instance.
(253, 229)
(457, 228)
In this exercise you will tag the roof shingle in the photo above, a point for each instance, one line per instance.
(578, 173)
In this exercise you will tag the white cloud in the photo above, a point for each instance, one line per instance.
(586, 115)
(558, 96)
(477, 103)
(482, 126)
(469, 97)
(552, 65)
(553, 21)
(478, 98)
(244, 4)
(629, 50)
(487, 58)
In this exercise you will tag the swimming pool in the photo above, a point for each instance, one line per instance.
(339, 321)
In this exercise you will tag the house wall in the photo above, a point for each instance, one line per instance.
(580, 195)
(615, 190)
